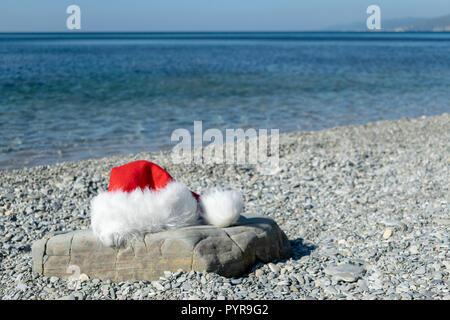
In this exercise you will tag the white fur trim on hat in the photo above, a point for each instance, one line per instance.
(220, 207)
(118, 216)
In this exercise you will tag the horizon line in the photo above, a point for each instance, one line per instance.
(220, 32)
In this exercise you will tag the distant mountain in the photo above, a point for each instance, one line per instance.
(403, 24)
(434, 24)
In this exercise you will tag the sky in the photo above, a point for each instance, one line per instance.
(204, 15)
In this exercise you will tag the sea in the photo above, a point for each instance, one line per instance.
(75, 96)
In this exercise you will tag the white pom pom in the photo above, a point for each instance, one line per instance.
(221, 207)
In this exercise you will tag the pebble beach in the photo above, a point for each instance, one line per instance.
(366, 210)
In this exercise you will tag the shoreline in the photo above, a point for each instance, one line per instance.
(167, 152)
(337, 194)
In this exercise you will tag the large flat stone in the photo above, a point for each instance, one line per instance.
(229, 252)
(345, 272)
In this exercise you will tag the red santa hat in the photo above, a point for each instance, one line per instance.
(143, 197)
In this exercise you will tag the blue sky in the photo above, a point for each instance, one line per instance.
(205, 15)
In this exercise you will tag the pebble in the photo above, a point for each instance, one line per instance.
(22, 286)
(69, 297)
(112, 293)
(387, 233)
(330, 290)
(444, 222)
(413, 250)
(345, 272)
(274, 268)
(363, 285)
(157, 285)
(84, 277)
(421, 270)
(78, 295)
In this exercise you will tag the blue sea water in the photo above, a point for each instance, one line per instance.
(76, 96)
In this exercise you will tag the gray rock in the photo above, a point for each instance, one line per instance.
(157, 285)
(444, 222)
(330, 290)
(186, 286)
(363, 285)
(259, 273)
(229, 252)
(345, 272)
(413, 250)
(421, 270)
(112, 293)
(274, 268)
(69, 297)
(21, 286)
(79, 295)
